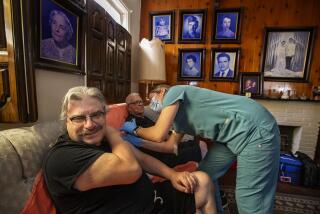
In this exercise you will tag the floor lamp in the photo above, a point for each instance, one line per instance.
(152, 63)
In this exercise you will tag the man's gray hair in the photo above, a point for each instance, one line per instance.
(79, 93)
(129, 97)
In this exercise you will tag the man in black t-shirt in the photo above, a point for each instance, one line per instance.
(92, 170)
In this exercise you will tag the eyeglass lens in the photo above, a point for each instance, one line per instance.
(95, 117)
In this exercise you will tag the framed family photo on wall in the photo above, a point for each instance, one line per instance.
(251, 82)
(192, 26)
(287, 54)
(226, 26)
(225, 64)
(59, 36)
(191, 64)
(162, 26)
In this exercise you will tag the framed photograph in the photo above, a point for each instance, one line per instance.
(162, 26)
(225, 64)
(192, 26)
(3, 40)
(287, 54)
(191, 64)
(226, 26)
(251, 82)
(59, 36)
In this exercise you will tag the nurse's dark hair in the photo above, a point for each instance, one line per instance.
(79, 93)
(158, 88)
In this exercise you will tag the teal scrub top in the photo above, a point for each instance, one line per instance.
(224, 118)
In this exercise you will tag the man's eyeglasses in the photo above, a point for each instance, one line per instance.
(140, 102)
(81, 119)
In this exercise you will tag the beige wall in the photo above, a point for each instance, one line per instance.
(51, 86)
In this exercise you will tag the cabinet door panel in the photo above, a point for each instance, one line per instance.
(109, 62)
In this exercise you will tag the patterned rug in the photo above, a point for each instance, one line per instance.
(284, 203)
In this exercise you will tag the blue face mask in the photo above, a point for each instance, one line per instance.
(155, 105)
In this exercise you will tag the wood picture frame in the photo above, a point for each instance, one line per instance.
(227, 25)
(251, 82)
(162, 26)
(192, 26)
(287, 54)
(224, 64)
(191, 64)
(59, 36)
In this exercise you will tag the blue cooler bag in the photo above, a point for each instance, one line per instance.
(290, 169)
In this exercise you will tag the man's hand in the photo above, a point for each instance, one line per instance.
(136, 141)
(129, 126)
(184, 181)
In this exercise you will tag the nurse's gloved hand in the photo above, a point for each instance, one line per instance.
(129, 126)
(136, 141)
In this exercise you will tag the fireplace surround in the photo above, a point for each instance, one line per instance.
(303, 117)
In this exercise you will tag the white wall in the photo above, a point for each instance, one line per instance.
(135, 7)
(51, 87)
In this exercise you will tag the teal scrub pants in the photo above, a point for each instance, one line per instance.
(257, 171)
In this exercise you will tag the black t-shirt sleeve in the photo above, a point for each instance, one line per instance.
(66, 162)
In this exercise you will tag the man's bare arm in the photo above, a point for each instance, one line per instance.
(160, 130)
(116, 168)
(168, 146)
(182, 181)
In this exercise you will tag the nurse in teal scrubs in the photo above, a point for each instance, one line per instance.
(241, 129)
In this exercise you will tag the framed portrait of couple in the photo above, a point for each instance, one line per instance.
(191, 64)
(226, 26)
(225, 64)
(162, 26)
(287, 54)
(59, 36)
(251, 82)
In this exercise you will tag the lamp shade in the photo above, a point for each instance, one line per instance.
(152, 61)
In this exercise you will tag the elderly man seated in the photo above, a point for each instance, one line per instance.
(184, 151)
(91, 169)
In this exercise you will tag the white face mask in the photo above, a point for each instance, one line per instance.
(155, 105)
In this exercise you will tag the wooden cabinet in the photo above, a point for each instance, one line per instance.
(109, 55)
(17, 90)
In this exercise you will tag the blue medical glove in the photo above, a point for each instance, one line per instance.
(136, 141)
(129, 126)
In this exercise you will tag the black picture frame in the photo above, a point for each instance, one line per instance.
(196, 20)
(3, 40)
(251, 82)
(287, 54)
(48, 55)
(162, 26)
(191, 64)
(224, 64)
(227, 25)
